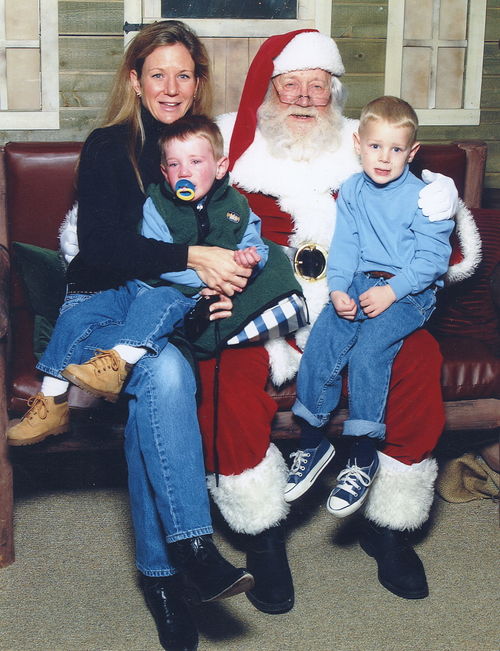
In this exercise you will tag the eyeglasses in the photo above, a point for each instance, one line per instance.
(317, 95)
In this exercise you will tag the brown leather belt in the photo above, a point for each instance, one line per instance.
(379, 274)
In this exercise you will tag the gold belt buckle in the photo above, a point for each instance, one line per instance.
(309, 261)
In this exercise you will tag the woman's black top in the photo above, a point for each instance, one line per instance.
(110, 203)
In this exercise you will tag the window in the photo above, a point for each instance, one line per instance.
(29, 65)
(236, 18)
(434, 58)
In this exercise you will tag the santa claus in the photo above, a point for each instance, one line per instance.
(290, 149)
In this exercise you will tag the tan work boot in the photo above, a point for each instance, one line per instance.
(102, 376)
(47, 416)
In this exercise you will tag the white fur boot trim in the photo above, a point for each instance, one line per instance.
(253, 501)
(401, 495)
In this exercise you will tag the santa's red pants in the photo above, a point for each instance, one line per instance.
(414, 415)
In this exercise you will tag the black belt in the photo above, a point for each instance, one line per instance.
(386, 275)
(72, 288)
(379, 274)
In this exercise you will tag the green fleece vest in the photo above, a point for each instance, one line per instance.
(228, 214)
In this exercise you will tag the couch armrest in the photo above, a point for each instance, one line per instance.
(476, 152)
(4, 290)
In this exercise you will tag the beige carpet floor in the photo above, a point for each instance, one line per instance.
(73, 586)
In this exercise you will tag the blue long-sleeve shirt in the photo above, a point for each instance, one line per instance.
(380, 227)
(154, 226)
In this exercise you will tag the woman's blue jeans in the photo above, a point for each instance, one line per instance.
(368, 347)
(166, 474)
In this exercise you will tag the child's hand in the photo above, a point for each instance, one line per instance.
(344, 305)
(376, 300)
(247, 258)
(222, 309)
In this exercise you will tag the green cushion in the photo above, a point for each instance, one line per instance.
(44, 277)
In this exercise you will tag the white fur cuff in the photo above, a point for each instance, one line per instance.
(401, 497)
(68, 237)
(470, 244)
(253, 501)
(284, 361)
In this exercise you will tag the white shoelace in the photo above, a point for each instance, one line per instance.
(299, 459)
(350, 479)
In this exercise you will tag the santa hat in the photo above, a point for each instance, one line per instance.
(304, 49)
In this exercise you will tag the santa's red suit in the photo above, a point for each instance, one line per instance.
(296, 203)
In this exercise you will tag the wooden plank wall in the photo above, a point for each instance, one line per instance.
(90, 47)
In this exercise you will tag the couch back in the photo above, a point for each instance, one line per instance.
(39, 183)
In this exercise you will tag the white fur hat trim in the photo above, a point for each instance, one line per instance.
(307, 51)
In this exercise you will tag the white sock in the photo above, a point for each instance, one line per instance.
(53, 386)
(130, 354)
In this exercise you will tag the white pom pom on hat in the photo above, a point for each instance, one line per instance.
(307, 51)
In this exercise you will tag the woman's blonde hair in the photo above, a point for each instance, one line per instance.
(124, 107)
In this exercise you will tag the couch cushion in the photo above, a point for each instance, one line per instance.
(43, 274)
(467, 309)
(470, 370)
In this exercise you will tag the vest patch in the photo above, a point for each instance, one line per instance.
(233, 217)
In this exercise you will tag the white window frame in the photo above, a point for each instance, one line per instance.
(313, 14)
(48, 44)
(470, 112)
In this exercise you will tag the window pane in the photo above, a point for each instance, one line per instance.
(416, 76)
(449, 83)
(453, 20)
(418, 19)
(229, 9)
(21, 19)
(23, 79)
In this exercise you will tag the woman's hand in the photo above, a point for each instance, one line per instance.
(218, 269)
(222, 308)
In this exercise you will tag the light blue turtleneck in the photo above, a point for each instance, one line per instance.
(380, 227)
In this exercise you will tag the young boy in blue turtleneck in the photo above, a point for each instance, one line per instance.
(385, 263)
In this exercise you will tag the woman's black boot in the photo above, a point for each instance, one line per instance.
(208, 575)
(176, 628)
(400, 570)
(267, 561)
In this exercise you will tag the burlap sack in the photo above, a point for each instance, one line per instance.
(467, 478)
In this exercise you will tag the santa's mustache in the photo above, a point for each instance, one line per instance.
(308, 111)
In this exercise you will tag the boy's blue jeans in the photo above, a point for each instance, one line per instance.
(166, 473)
(146, 316)
(369, 347)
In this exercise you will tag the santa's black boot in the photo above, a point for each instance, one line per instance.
(268, 563)
(400, 570)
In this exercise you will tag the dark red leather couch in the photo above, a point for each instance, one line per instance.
(37, 186)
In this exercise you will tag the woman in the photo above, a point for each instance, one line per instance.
(164, 76)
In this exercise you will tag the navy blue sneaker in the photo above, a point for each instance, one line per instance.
(353, 484)
(306, 468)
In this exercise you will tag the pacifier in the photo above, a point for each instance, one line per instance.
(184, 190)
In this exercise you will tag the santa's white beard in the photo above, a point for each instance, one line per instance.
(301, 144)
